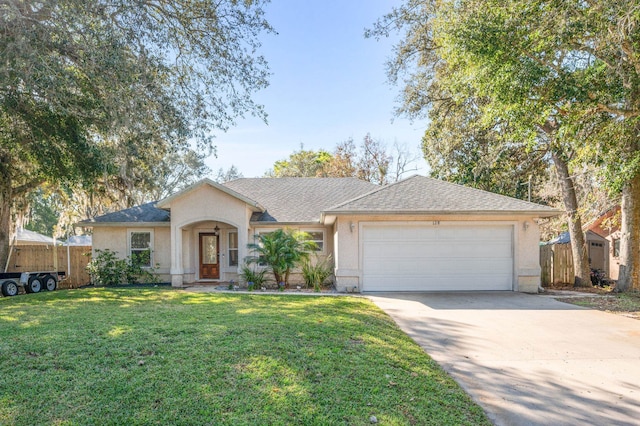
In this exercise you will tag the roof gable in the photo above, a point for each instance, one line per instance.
(420, 194)
(605, 224)
(166, 202)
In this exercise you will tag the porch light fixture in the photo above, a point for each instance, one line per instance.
(216, 230)
(352, 226)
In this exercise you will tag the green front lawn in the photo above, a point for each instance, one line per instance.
(161, 356)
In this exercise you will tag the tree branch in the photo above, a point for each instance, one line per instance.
(24, 188)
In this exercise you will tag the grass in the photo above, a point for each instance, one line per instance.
(161, 356)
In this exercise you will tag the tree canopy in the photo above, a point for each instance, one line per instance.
(95, 89)
(372, 161)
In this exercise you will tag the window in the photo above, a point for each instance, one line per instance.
(256, 240)
(616, 247)
(318, 238)
(265, 231)
(140, 246)
(233, 249)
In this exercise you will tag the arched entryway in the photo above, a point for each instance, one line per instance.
(209, 251)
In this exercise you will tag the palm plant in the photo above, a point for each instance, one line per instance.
(316, 273)
(254, 278)
(280, 251)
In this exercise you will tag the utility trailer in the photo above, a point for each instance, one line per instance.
(33, 282)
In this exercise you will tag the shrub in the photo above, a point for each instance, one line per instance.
(281, 251)
(106, 268)
(252, 277)
(315, 274)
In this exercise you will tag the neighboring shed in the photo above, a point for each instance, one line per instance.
(556, 258)
(31, 238)
(607, 227)
(78, 240)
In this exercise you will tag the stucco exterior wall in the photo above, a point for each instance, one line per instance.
(201, 210)
(112, 238)
(526, 253)
(116, 238)
(162, 251)
(527, 256)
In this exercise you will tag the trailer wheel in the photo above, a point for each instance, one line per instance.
(34, 285)
(9, 288)
(50, 283)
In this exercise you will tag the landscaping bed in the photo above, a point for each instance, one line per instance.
(163, 356)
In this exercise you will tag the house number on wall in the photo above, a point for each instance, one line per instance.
(436, 222)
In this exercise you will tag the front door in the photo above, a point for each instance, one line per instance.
(209, 255)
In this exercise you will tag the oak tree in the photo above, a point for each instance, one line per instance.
(87, 87)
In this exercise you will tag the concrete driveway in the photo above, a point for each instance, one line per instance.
(528, 359)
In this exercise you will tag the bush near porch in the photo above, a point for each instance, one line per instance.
(163, 356)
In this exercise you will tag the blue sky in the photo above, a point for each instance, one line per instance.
(328, 84)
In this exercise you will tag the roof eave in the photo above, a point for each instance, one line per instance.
(306, 223)
(535, 213)
(122, 224)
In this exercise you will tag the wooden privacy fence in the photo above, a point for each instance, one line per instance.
(30, 258)
(556, 262)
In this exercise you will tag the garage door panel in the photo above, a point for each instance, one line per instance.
(449, 267)
(440, 284)
(436, 258)
(430, 250)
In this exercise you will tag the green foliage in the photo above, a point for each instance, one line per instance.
(316, 273)
(106, 268)
(373, 161)
(281, 251)
(303, 163)
(99, 93)
(461, 149)
(43, 212)
(253, 277)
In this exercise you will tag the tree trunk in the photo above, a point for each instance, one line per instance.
(279, 276)
(582, 273)
(5, 211)
(629, 277)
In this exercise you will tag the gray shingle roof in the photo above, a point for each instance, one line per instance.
(298, 200)
(142, 213)
(302, 200)
(427, 195)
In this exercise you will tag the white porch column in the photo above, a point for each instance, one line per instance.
(243, 240)
(177, 270)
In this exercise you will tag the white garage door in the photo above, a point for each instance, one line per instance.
(401, 257)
